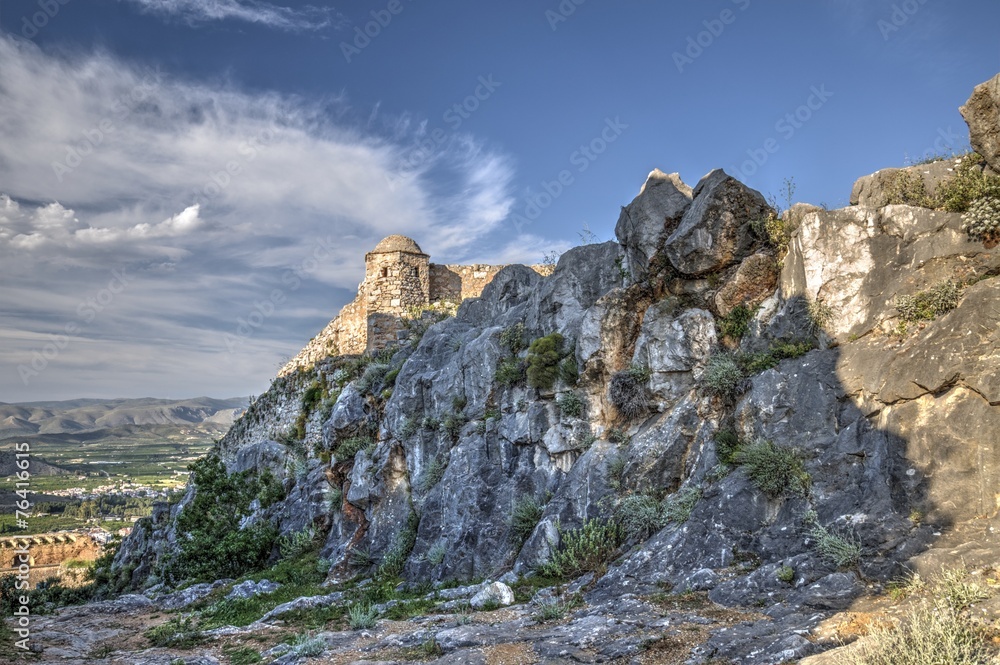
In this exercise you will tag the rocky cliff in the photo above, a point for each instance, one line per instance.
(779, 413)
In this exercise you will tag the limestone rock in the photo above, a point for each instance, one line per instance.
(715, 232)
(896, 186)
(652, 215)
(982, 113)
(673, 346)
(754, 281)
(496, 593)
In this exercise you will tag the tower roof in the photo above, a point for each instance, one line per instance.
(397, 243)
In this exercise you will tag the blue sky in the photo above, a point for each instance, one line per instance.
(129, 255)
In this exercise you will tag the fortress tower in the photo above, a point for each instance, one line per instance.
(399, 281)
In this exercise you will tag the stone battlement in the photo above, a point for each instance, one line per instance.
(399, 279)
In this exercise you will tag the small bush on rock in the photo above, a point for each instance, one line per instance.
(510, 372)
(512, 338)
(570, 404)
(627, 392)
(982, 220)
(589, 548)
(524, 518)
(543, 359)
(969, 184)
(773, 470)
(362, 616)
(928, 305)
(736, 324)
(724, 376)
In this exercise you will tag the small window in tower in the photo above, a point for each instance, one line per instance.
(385, 272)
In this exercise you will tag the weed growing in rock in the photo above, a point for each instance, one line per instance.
(820, 315)
(556, 610)
(785, 574)
(837, 548)
(524, 518)
(241, 655)
(616, 472)
(930, 304)
(348, 448)
(452, 425)
(510, 372)
(295, 544)
(433, 474)
(724, 376)
(589, 548)
(736, 323)
(617, 435)
(512, 338)
(906, 188)
(176, 633)
(969, 184)
(773, 470)
(627, 391)
(727, 446)
(570, 404)
(678, 506)
(569, 373)
(543, 359)
(435, 555)
(982, 220)
(939, 629)
(641, 515)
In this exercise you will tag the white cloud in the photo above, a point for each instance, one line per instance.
(251, 11)
(210, 200)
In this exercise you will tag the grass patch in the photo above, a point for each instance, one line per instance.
(361, 616)
(524, 518)
(627, 391)
(347, 449)
(510, 373)
(736, 324)
(774, 470)
(543, 359)
(929, 304)
(570, 404)
(177, 633)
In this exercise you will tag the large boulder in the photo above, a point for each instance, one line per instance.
(982, 113)
(716, 231)
(913, 185)
(655, 212)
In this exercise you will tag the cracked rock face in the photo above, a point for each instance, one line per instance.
(889, 431)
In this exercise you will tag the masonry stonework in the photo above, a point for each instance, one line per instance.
(399, 282)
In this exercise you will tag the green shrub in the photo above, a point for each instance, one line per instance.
(727, 446)
(569, 373)
(436, 554)
(627, 392)
(433, 474)
(512, 338)
(305, 645)
(773, 470)
(589, 548)
(347, 449)
(773, 230)
(570, 404)
(724, 376)
(820, 315)
(390, 377)
(969, 184)
(906, 188)
(616, 472)
(241, 655)
(524, 518)
(737, 323)
(928, 305)
(785, 574)
(176, 633)
(510, 372)
(211, 543)
(373, 378)
(453, 424)
(296, 543)
(395, 558)
(361, 616)
(640, 516)
(982, 220)
(543, 359)
(678, 506)
(617, 435)
(838, 549)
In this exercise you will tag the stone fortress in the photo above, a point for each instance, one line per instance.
(400, 282)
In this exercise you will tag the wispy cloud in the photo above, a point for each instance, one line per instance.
(251, 11)
(210, 200)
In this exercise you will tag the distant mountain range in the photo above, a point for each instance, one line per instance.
(85, 415)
